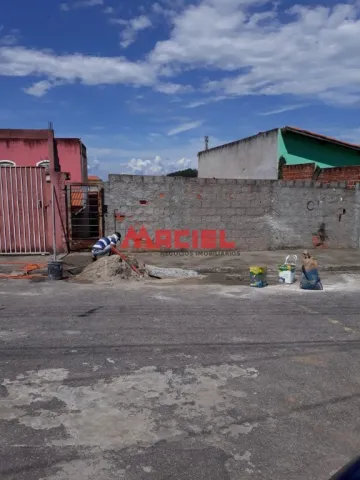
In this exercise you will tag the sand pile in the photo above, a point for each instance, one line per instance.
(109, 270)
(113, 270)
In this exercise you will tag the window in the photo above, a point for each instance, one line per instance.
(7, 163)
(44, 164)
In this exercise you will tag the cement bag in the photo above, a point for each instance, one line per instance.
(310, 280)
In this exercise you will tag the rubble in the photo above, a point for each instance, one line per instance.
(110, 270)
(160, 272)
(113, 270)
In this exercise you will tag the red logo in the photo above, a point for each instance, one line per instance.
(177, 239)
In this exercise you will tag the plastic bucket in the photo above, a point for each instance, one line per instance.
(55, 270)
(287, 270)
(287, 276)
(258, 276)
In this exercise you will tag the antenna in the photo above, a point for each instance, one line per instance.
(206, 142)
(50, 126)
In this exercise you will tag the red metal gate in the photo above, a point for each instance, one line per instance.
(22, 210)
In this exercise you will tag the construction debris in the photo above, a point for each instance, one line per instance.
(159, 272)
(109, 270)
(28, 271)
(130, 260)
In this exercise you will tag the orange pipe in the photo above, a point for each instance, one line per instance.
(30, 267)
(125, 259)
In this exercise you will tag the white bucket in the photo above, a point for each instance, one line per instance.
(287, 270)
(287, 277)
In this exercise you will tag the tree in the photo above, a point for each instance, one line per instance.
(189, 172)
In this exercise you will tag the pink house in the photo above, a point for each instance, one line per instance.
(26, 192)
(29, 148)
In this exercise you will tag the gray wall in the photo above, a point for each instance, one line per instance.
(251, 158)
(258, 215)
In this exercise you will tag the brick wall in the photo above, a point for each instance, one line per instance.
(303, 171)
(349, 174)
(306, 171)
(256, 214)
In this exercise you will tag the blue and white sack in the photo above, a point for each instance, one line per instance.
(310, 279)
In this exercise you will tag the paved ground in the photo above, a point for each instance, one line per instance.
(337, 260)
(176, 382)
(203, 262)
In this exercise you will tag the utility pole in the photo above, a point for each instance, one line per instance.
(206, 142)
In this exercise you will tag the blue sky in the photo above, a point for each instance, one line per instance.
(142, 82)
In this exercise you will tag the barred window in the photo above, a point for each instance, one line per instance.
(7, 163)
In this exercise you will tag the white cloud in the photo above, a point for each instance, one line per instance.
(39, 89)
(108, 10)
(155, 138)
(132, 27)
(118, 21)
(160, 157)
(65, 7)
(140, 23)
(156, 166)
(89, 70)
(10, 38)
(183, 163)
(94, 164)
(146, 167)
(172, 88)
(206, 101)
(173, 3)
(167, 9)
(184, 127)
(286, 108)
(160, 10)
(196, 104)
(87, 3)
(307, 51)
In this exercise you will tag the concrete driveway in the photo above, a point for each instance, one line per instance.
(177, 382)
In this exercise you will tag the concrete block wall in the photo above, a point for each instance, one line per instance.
(256, 214)
(299, 207)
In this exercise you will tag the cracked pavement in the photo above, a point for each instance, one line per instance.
(177, 382)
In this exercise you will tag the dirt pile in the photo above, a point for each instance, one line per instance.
(113, 270)
(109, 270)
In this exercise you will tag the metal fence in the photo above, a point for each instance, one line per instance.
(22, 210)
(85, 214)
